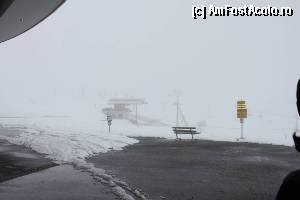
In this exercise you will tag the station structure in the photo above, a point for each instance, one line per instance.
(128, 109)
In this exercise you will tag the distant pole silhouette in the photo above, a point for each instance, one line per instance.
(109, 120)
(177, 103)
(177, 112)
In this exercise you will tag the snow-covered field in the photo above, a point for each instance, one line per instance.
(72, 139)
(269, 130)
(65, 139)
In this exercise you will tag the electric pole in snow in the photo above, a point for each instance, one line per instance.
(177, 103)
(177, 111)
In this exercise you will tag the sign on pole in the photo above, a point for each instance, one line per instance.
(109, 120)
(242, 114)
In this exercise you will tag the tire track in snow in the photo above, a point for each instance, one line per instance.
(118, 187)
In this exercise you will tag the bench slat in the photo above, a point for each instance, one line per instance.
(188, 133)
(187, 130)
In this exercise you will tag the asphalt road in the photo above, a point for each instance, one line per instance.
(18, 161)
(201, 170)
(57, 183)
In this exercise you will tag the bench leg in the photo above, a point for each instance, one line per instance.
(192, 136)
(176, 136)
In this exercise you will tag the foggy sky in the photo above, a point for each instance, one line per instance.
(88, 52)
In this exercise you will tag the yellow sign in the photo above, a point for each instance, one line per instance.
(241, 110)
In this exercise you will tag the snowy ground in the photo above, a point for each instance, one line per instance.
(73, 139)
(65, 139)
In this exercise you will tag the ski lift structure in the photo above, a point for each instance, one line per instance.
(180, 118)
(128, 109)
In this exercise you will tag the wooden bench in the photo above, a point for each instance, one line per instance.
(185, 130)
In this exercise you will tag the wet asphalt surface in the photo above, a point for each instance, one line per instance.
(62, 182)
(18, 161)
(202, 170)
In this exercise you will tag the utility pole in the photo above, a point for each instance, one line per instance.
(177, 104)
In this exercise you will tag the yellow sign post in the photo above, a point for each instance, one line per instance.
(242, 114)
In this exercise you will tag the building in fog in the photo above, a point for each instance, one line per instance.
(128, 109)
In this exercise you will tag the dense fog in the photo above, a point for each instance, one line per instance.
(88, 52)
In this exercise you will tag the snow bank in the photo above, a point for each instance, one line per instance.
(69, 146)
(64, 141)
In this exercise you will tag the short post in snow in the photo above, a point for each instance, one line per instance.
(242, 115)
(109, 120)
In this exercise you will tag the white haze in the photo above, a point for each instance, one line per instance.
(88, 52)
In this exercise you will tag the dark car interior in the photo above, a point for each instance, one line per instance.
(18, 16)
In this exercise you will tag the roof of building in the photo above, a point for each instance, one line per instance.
(127, 101)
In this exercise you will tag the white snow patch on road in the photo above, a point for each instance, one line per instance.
(69, 146)
(73, 146)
